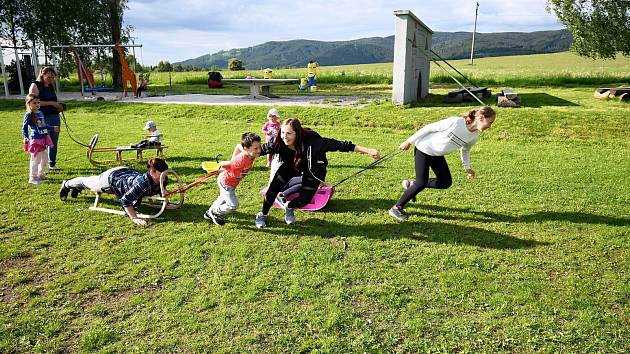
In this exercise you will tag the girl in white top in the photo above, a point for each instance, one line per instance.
(434, 141)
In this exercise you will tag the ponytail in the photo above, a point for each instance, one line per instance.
(484, 110)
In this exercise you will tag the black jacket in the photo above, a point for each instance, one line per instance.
(313, 155)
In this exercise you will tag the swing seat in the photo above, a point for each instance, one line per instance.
(98, 89)
(319, 201)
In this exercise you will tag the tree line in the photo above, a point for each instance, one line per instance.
(45, 23)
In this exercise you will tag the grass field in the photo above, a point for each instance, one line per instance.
(558, 69)
(531, 256)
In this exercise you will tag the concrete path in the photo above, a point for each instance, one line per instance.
(200, 99)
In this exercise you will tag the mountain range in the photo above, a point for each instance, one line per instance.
(449, 45)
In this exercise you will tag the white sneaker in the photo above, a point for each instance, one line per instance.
(289, 217)
(34, 181)
(261, 220)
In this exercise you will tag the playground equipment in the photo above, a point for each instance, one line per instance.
(168, 200)
(85, 74)
(623, 93)
(215, 79)
(27, 59)
(128, 75)
(326, 191)
(465, 94)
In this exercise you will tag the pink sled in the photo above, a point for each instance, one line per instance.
(320, 199)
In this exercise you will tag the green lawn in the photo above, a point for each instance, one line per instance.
(531, 256)
(541, 70)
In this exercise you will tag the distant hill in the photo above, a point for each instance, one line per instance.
(450, 45)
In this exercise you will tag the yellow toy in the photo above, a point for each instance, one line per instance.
(267, 74)
(312, 74)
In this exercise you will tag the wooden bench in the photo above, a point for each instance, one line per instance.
(118, 153)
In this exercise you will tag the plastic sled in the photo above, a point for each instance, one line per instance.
(210, 166)
(320, 199)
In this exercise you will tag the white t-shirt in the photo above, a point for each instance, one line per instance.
(445, 136)
(154, 135)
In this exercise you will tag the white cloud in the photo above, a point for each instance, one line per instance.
(176, 30)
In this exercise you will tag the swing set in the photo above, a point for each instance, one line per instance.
(85, 75)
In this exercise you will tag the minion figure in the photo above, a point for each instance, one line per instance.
(267, 73)
(312, 75)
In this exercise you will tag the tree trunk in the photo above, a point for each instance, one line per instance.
(115, 26)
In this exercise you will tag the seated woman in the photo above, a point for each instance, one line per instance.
(303, 152)
(130, 186)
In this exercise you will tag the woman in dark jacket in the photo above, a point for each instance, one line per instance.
(44, 89)
(303, 153)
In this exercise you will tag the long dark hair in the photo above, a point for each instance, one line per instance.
(301, 134)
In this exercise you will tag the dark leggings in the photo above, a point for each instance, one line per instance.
(279, 182)
(423, 161)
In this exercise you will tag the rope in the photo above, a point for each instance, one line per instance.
(383, 158)
(452, 67)
(63, 116)
(459, 83)
(193, 184)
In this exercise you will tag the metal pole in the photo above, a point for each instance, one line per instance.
(95, 46)
(4, 75)
(19, 70)
(35, 60)
(133, 50)
(57, 77)
(472, 47)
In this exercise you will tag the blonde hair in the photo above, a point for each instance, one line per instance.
(43, 71)
(484, 110)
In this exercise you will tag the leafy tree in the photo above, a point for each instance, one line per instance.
(601, 28)
(164, 66)
(235, 64)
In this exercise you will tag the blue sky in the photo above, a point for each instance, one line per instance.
(176, 30)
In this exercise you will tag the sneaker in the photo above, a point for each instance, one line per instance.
(216, 219)
(54, 168)
(261, 220)
(75, 192)
(34, 181)
(289, 217)
(406, 183)
(63, 191)
(282, 201)
(398, 214)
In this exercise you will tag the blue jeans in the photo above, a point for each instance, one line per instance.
(54, 120)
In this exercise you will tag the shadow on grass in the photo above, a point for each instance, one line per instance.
(420, 231)
(539, 100)
(533, 100)
(449, 213)
(574, 217)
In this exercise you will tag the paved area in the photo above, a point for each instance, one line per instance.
(200, 99)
